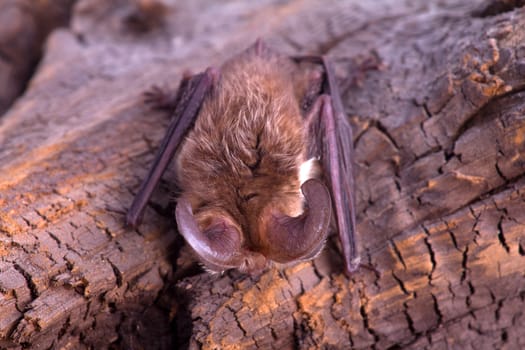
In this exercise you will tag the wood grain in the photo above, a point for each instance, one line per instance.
(440, 151)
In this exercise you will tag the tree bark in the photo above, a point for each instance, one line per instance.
(440, 156)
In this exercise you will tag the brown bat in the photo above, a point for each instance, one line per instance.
(259, 146)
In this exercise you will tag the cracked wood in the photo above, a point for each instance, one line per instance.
(440, 152)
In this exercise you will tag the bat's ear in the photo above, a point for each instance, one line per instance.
(219, 245)
(302, 237)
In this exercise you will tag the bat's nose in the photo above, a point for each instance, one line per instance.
(255, 263)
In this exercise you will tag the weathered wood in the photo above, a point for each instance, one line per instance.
(440, 150)
(24, 27)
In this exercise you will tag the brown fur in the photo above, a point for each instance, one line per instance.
(244, 153)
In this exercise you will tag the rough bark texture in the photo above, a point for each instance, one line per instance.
(440, 151)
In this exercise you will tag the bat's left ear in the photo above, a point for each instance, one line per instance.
(302, 237)
(219, 244)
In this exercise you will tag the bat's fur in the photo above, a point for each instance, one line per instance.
(243, 157)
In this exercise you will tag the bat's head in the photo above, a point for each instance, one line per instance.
(222, 243)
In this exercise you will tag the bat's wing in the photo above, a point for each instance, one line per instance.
(187, 102)
(330, 136)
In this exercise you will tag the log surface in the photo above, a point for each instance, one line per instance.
(25, 26)
(440, 156)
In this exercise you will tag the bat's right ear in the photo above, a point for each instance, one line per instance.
(219, 245)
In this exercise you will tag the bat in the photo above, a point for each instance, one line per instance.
(263, 159)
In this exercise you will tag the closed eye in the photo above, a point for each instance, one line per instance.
(249, 196)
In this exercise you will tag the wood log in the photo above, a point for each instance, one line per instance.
(440, 154)
(24, 26)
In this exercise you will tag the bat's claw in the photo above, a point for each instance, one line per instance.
(361, 66)
(356, 264)
(159, 97)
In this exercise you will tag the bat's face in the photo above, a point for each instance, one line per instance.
(260, 232)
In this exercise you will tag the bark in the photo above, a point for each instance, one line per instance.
(440, 152)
